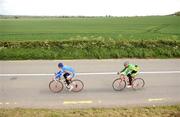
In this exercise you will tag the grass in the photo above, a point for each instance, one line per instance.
(159, 111)
(90, 38)
(123, 28)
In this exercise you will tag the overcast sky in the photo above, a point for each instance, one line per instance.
(89, 7)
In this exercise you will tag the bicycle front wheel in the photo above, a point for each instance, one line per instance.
(56, 86)
(138, 83)
(77, 85)
(119, 84)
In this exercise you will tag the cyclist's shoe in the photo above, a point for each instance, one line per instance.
(68, 86)
(129, 86)
(71, 87)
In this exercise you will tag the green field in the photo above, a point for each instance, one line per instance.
(159, 111)
(89, 38)
(152, 27)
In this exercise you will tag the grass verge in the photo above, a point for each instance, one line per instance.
(89, 49)
(160, 111)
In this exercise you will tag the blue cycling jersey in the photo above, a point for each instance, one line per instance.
(65, 69)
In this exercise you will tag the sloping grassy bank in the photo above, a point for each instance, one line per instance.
(89, 49)
(161, 111)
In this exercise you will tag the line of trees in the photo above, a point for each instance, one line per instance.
(107, 16)
(177, 13)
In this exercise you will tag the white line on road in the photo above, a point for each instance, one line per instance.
(7, 103)
(25, 75)
(155, 99)
(95, 73)
(161, 72)
(100, 73)
(78, 102)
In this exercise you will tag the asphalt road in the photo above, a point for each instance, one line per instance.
(162, 88)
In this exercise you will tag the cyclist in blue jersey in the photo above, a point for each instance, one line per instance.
(67, 72)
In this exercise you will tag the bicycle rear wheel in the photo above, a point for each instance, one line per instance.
(77, 85)
(56, 86)
(119, 84)
(138, 83)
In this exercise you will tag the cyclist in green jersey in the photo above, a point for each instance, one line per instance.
(130, 70)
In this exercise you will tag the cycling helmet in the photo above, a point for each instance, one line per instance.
(60, 65)
(126, 63)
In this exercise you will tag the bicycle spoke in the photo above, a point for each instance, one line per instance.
(55, 86)
(138, 83)
(77, 85)
(119, 84)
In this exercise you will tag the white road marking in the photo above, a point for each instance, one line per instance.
(5, 75)
(77, 102)
(161, 72)
(7, 103)
(99, 101)
(98, 73)
(155, 99)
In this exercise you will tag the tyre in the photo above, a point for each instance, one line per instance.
(56, 86)
(118, 84)
(138, 83)
(77, 85)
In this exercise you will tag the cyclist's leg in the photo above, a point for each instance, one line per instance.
(66, 76)
(131, 76)
(69, 77)
(134, 74)
(130, 79)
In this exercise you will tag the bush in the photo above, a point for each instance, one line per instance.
(83, 49)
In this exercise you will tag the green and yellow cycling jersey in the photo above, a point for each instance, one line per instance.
(129, 69)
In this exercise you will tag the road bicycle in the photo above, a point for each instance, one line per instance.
(120, 83)
(57, 86)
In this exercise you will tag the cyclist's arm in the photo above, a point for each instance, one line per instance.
(125, 71)
(72, 73)
(58, 75)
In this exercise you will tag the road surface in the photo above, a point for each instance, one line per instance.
(25, 84)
